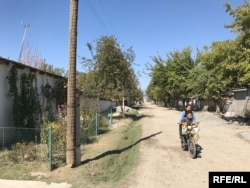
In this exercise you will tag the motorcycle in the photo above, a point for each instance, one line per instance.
(187, 138)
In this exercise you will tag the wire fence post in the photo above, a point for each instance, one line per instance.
(50, 148)
(110, 118)
(3, 139)
(96, 124)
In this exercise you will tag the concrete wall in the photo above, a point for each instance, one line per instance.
(239, 103)
(100, 105)
(6, 102)
(240, 106)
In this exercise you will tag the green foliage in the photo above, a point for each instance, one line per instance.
(170, 76)
(50, 68)
(213, 73)
(113, 69)
(241, 26)
(220, 69)
(54, 97)
(112, 76)
(88, 129)
(12, 81)
(58, 138)
(241, 16)
(90, 118)
(86, 82)
(26, 106)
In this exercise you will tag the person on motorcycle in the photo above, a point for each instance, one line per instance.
(189, 121)
(188, 108)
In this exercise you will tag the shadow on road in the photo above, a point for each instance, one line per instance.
(118, 151)
(236, 119)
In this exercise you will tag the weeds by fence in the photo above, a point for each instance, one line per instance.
(19, 145)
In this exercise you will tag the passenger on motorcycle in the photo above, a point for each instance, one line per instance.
(188, 108)
(184, 113)
(189, 121)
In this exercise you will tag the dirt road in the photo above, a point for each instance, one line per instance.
(162, 162)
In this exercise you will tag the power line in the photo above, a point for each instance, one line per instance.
(98, 17)
(103, 9)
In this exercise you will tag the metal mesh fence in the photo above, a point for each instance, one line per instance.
(89, 129)
(33, 145)
(108, 116)
(94, 124)
(12, 135)
(47, 144)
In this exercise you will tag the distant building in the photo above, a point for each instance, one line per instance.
(240, 106)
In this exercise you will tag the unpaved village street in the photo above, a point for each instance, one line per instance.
(162, 162)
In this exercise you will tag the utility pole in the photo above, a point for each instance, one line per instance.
(123, 90)
(25, 30)
(123, 98)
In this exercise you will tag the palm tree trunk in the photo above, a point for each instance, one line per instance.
(72, 159)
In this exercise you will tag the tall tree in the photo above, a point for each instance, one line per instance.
(157, 87)
(112, 70)
(170, 76)
(217, 68)
(73, 147)
(87, 84)
(241, 26)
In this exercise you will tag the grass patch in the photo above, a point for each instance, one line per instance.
(21, 160)
(119, 163)
(107, 161)
(21, 171)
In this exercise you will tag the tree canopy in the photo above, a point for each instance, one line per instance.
(213, 72)
(111, 75)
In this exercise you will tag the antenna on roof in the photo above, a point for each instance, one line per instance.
(25, 30)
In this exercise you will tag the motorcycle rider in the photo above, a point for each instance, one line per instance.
(188, 108)
(189, 121)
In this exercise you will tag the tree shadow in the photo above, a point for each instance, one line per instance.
(117, 151)
(240, 120)
(134, 117)
(141, 107)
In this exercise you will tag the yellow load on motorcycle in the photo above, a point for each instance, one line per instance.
(185, 129)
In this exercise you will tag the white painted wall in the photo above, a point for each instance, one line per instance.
(100, 105)
(6, 102)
